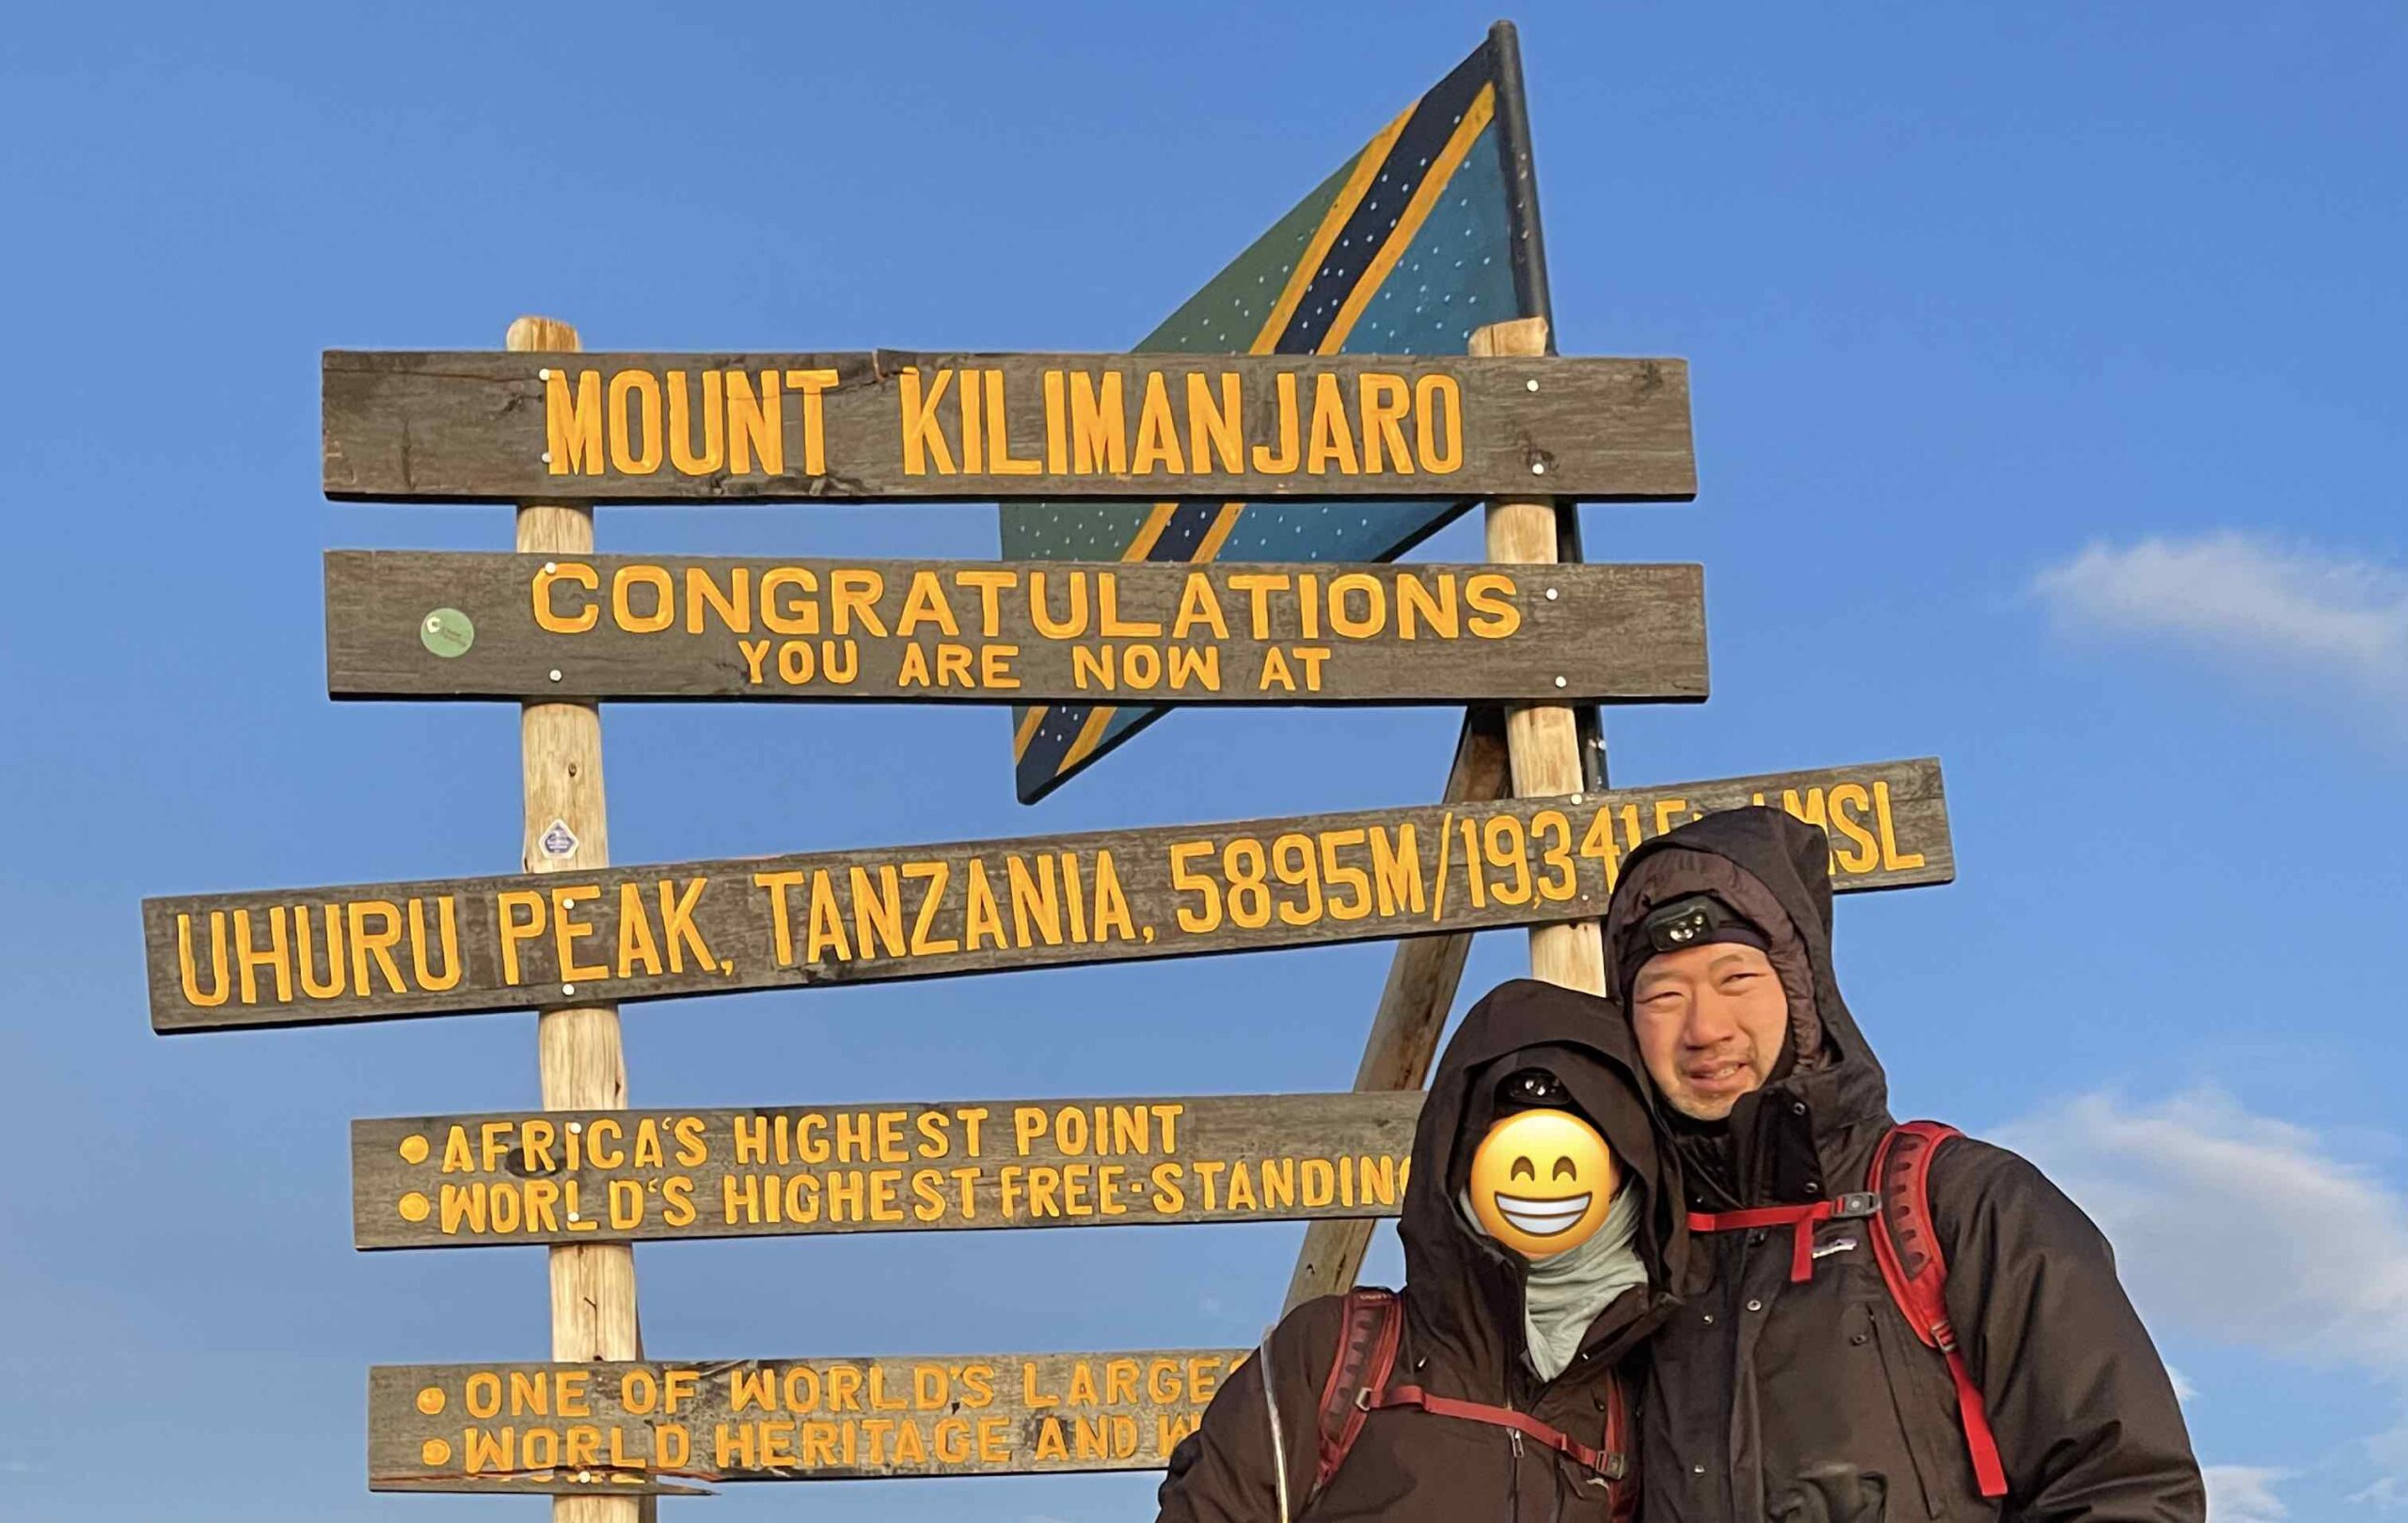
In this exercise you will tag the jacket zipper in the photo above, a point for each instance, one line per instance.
(1513, 1492)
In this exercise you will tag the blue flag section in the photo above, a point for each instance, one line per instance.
(1428, 232)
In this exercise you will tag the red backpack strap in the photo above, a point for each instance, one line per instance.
(1800, 1220)
(1624, 1507)
(1610, 1462)
(1358, 1385)
(1907, 1246)
(1358, 1371)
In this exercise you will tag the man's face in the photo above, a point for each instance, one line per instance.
(1710, 1021)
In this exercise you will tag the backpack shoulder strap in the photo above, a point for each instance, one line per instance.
(1358, 1371)
(1358, 1385)
(1905, 1244)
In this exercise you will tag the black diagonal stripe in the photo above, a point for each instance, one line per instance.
(1359, 239)
(1184, 532)
(1435, 118)
(1034, 771)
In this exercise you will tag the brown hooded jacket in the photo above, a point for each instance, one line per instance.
(1462, 1301)
(1769, 1399)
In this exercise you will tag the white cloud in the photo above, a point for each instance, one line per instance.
(2387, 1493)
(2243, 1493)
(2246, 598)
(2246, 1230)
(2242, 1228)
(2183, 1390)
(2389, 1452)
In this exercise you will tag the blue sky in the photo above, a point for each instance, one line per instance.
(2047, 410)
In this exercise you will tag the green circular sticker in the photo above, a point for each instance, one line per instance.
(447, 632)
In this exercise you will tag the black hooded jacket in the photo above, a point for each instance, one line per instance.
(1756, 1382)
(1462, 1301)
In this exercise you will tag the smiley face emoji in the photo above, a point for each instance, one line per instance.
(1540, 1182)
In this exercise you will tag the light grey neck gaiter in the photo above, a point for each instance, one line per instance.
(1566, 1291)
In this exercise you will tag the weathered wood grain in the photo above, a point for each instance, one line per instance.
(439, 1181)
(409, 625)
(479, 426)
(1424, 975)
(647, 932)
(633, 1428)
(580, 1057)
(1542, 740)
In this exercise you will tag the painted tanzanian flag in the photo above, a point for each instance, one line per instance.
(1430, 231)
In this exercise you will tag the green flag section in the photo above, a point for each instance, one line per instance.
(1429, 233)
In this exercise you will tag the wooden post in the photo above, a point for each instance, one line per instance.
(1542, 740)
(593, 1284)
(1541, 751)
(1424, 975)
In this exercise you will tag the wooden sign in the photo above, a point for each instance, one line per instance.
(489, 426)
(636, 1427)
(315, 956)
(403, 625)
(441, 1181)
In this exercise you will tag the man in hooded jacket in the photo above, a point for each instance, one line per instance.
(1549, 1338)
(1769, 1397)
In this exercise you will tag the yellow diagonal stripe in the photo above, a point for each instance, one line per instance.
(1368, 165)
(1028, 724)
(1417, 211)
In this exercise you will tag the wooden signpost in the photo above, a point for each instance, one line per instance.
(626, 1428)
(315, 955)
(885, 425)
(1524, 834)
(582, 1065)
(1542, 753)
(445, 1182)
(402, 624)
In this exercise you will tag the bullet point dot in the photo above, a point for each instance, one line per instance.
(435, 1451)
(413, 1150)
(413, 1207)
(430, 1401)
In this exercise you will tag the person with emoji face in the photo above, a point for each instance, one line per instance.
(1541, 1223)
